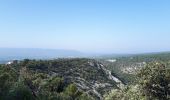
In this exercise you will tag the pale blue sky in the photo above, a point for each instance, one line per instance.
(98, 26)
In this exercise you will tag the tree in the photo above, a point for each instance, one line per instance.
(7, 78)
(155, 81)
(154, 84)
(20, 92)
(73, 91)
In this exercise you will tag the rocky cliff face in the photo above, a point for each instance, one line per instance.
(89, 75)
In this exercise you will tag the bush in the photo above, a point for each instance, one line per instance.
(20, 92)
(154, 84)
(155, 81)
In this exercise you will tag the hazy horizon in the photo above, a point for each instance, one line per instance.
(77, 51)
(89, 26)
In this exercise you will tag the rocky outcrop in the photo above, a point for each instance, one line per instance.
(88, 75)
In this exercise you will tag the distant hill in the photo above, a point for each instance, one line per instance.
(22, 53)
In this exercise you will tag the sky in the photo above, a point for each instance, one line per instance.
(91, 26)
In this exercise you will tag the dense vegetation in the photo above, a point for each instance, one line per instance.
(147, 76)
(87, 79)
(153, 84)
(51, 79)
(126, 67)
(29, 80)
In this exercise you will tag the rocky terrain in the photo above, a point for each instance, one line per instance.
(88, 75)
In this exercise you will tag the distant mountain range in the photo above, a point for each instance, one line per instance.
(23, 53)
(7, 54)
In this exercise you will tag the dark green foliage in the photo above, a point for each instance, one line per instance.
(54, 84)
(34, 80)
(84, 96)
(7, 78)
(73, 91)
(153, 84)
(155, 81)
(20, 92)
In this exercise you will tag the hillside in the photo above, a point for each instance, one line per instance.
(88, 75)
(75, 78)
(125, 67)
